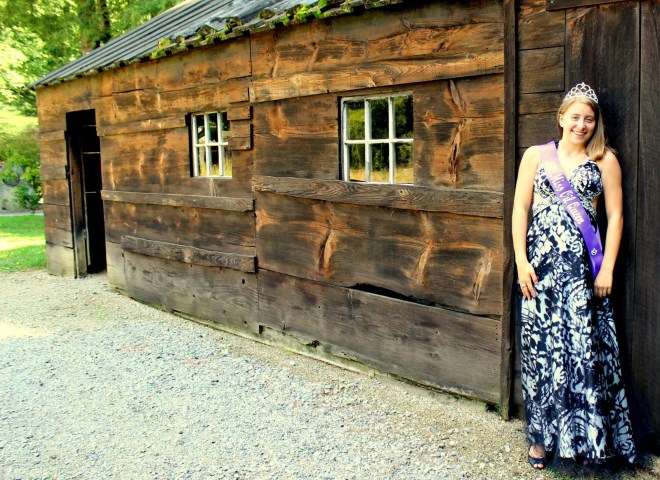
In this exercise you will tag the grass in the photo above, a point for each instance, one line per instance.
(12, 121)
(22, 243)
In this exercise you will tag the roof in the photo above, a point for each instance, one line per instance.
(194, 23)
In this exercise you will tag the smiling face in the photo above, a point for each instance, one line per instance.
(578, 123)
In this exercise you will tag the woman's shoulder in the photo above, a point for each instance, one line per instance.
(532, 157)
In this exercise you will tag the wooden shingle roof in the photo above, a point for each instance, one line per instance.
(195, 23)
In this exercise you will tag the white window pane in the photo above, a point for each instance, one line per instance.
(357, 163)
(227, 162)
(202, 162)
(199, 123)
(380, 163)
(355, 128)
(403, 112)
(379, 118)
(212, 133)
(214, 161)
(403, 172)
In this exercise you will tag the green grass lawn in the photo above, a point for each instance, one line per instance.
(10, 120)
(22, 243)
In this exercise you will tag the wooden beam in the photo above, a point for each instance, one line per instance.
(172, 200)
(434, 346)
(510, 119)
(564, 4)
(50, 136)
(151, 124)
(406, 197)
(190, 255)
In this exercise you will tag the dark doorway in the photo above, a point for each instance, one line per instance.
(86, 183)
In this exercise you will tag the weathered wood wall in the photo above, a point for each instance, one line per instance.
(561, 43)
(380, 273)
(405, 278)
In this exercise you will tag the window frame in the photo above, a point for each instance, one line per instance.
(391, 140)
(222, 143)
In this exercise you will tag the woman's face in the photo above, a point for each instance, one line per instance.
(578, 123)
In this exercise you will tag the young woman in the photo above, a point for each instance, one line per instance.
(573, 393)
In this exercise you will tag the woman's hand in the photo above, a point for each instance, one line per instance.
(527, 279)
(603, 283)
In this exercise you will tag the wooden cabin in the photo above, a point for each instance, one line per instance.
(339, 175)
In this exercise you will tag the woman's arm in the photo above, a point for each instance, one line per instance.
(522, 202)
(611, 174)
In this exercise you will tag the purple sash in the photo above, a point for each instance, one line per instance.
(573, 205)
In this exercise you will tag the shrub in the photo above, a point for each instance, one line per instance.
(19, 165)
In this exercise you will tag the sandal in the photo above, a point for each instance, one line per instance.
(534, 461)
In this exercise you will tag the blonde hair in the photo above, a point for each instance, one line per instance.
(597, 145)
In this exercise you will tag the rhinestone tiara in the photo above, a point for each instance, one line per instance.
(581, 90)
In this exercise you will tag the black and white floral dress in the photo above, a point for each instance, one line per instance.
(573, 393)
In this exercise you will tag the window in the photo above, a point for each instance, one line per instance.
(377, 139)
(211, 156)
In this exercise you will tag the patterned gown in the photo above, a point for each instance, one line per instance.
(573, 393)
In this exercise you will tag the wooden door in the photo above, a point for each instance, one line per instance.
(615, 48)
(85, 182)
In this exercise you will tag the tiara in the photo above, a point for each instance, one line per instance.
(581, 90)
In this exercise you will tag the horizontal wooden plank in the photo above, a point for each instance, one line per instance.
(52, 136)
(377, 74)
(539, 102)
(144, 104)
(148, 125)
(184, 70)
(56, 191)
(173, 200)
(53, 153)
(239, 113)
(297, 137)
(59, 260)
(208, 229)
(564, 4)
(58, 236)
(186, 254)
(423, 29)
(146, 161)
(536, 129)
(434, 346)
(407, 197)
(57, 216)
(539, 28)
(52, 172)
(465, 153)
(221, 295)
(445, 259)
(541, 70)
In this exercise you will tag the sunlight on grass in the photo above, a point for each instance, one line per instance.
(22, 243)
(10, 120)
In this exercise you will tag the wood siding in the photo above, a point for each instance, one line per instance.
(613, 46)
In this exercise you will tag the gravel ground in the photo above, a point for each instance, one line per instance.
(94, 385)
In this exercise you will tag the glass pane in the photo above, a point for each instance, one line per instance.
(357, 163)
(379, 118)
(213, 127)
(201, 162)
(403, 117)
(227, 162)
(355, 127)
(225, 126)
(404, 163)
(380, 163)
(215, 162)
(201, 137)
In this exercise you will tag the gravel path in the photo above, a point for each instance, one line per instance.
(94, 385)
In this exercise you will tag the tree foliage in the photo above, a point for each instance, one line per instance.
(38, 36)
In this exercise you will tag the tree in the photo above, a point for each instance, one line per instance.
(38, 36)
